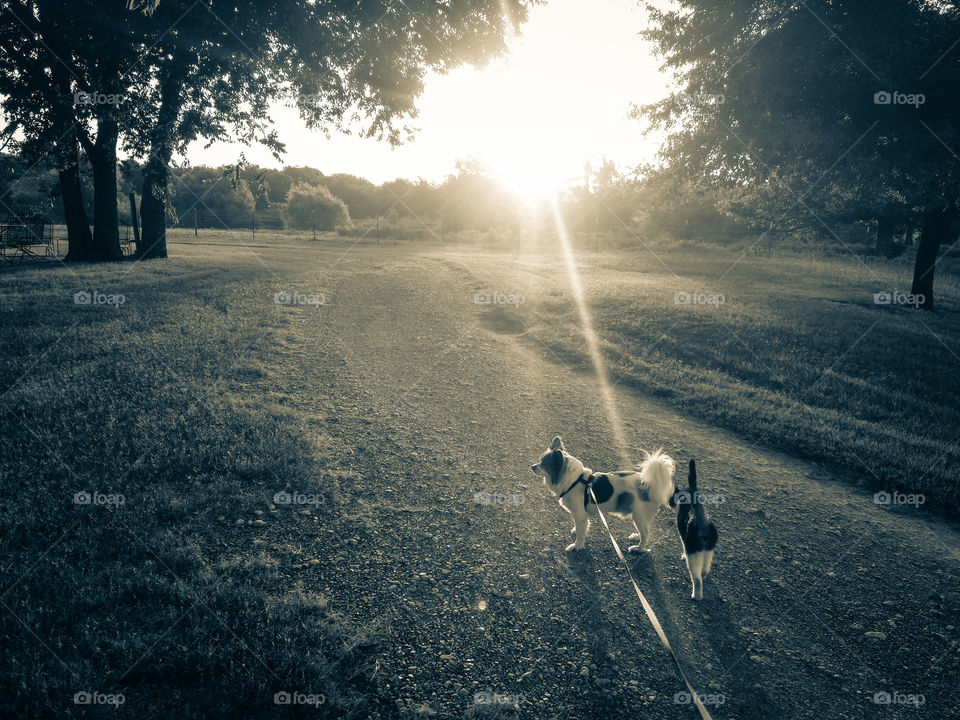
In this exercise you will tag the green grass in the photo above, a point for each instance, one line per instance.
(797, 356)
(163, 401)
(172, 400)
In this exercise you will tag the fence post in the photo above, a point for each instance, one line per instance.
(196, 223)
(135, 221)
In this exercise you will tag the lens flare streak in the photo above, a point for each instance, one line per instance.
(590, 336)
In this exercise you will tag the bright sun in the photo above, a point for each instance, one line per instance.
(529, 177)
(559, 99)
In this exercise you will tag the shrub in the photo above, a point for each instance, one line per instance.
(314, 206)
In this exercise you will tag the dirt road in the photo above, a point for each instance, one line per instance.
(432, 398)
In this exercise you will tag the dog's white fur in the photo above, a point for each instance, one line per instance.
(636, 494)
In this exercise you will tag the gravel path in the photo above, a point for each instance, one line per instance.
(819, 598)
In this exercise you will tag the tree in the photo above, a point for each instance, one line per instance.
(188, 70)
(812, 104)
(218, 198)
(313, 207)
(360, 63)
(37, 91)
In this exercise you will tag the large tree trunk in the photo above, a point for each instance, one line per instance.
(106, 235)
(153, 211)
(79, 239)
(156, 175)
(885, 228)
(937, 227)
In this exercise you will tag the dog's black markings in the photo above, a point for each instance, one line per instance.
(643, 493)
(624, 503)
(602, 488)
(696, 530)
(624, 473)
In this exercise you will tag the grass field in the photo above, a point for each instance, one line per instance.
(165, 411)
(147, 408)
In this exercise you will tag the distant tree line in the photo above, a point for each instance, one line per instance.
(305, 198)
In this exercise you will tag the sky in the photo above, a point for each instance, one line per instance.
(560, 99)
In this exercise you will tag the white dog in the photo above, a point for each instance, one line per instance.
(636, 494)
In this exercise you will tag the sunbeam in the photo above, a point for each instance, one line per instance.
(593, 345)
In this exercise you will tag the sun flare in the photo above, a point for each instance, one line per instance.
(529, 179)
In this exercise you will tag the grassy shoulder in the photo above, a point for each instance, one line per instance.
(142, 448)
(792, 351)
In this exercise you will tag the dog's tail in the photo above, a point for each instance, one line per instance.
(657, 474)
(695, 504)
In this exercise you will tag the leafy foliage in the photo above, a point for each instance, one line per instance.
(314, 207)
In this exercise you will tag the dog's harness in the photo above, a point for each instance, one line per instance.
(586, 479)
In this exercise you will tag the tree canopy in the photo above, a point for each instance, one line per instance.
(179, 71)
(815, 111)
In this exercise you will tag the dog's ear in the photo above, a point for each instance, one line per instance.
(558, 464)
(557, 443)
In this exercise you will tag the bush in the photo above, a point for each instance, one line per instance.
(217, 201)
(314, 206)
